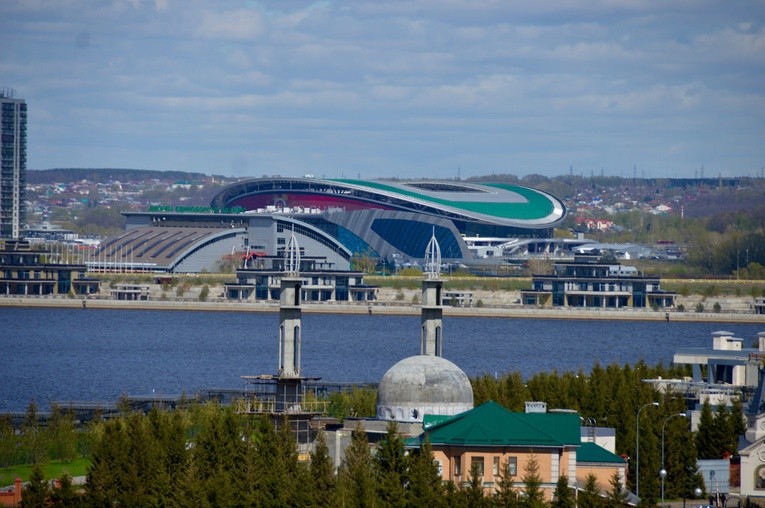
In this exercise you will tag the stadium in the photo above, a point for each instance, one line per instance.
(334, 220)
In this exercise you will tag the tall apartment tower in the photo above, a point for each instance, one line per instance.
(13, 163)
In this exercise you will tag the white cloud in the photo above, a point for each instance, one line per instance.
(240, 24)
(395, 87)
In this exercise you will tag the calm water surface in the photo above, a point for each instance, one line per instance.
(75, 354)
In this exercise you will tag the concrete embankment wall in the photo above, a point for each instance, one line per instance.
(384, 307)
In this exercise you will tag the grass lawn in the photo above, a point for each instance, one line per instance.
(53, 469)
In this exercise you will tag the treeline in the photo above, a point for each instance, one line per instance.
(208, 455)
(211, 456)
(65, 175)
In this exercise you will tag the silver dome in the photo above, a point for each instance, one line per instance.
(423, 384)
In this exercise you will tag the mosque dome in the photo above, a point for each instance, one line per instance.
(420, 385)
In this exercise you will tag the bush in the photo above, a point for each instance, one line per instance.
(681, 308)
(711, 290)
(699, 307)
(415, 299)
(479, 303)
(399, 295)
(717, 307)
(204, 293)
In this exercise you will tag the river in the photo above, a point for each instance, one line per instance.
(97, 355)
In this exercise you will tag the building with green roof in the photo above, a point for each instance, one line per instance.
(489, 436)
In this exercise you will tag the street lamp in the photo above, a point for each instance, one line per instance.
(663, 472)
(637, 448)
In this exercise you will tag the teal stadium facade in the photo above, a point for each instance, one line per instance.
(333, 220)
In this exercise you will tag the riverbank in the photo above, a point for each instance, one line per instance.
(387, 308)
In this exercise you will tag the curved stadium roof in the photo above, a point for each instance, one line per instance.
(491, 203)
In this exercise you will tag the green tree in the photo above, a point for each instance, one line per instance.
(506, 496)
(356, 479)
(36, 491)
(9, 443)
(425, 484)
(322, 473)
(563, 497)
(33, 437)
(392, 467)
(705, 439)
(617, 496)
(590, 495)
(62, 436)
(64, 495)
(472, 494)
(534, 497)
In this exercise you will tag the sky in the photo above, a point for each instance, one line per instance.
(396, 88)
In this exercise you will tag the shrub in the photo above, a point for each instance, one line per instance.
(479, 303)
(699, 307)
(415, 299)
(204, 293)
(400, 295)
(711, 290)
(681, 308)
(716, 307)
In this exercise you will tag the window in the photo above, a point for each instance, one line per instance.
(512, 466)
(458, 465)
(440, 467)
(476, 464)
(495, 468)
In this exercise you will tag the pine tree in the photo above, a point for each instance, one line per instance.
(425, 483)
(64, 496)
(506, 496)
(62, 436)
(617, 496)
(738, 421)
(33, 436)
(563, 498)
(472, 494)
(392, 467)
(590, 495)
(322, 473)
(9, 442)
(723, 436)
(108, 460)
(705, 439)
(36, 491)
(534, 497)
(356, 479)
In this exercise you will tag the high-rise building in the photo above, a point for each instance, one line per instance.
(13, 163)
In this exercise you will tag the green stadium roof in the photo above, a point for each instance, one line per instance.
(490, 200)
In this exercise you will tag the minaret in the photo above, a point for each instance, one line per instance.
(290, 313)
(432, 310)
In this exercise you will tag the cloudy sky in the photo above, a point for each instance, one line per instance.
(397, 88)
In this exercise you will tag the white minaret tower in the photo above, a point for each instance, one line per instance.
(432, 310)
(290, 312)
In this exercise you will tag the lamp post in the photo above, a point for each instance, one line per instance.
(663, 471)
(637, 448)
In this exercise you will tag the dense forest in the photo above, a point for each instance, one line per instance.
(209, 455)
